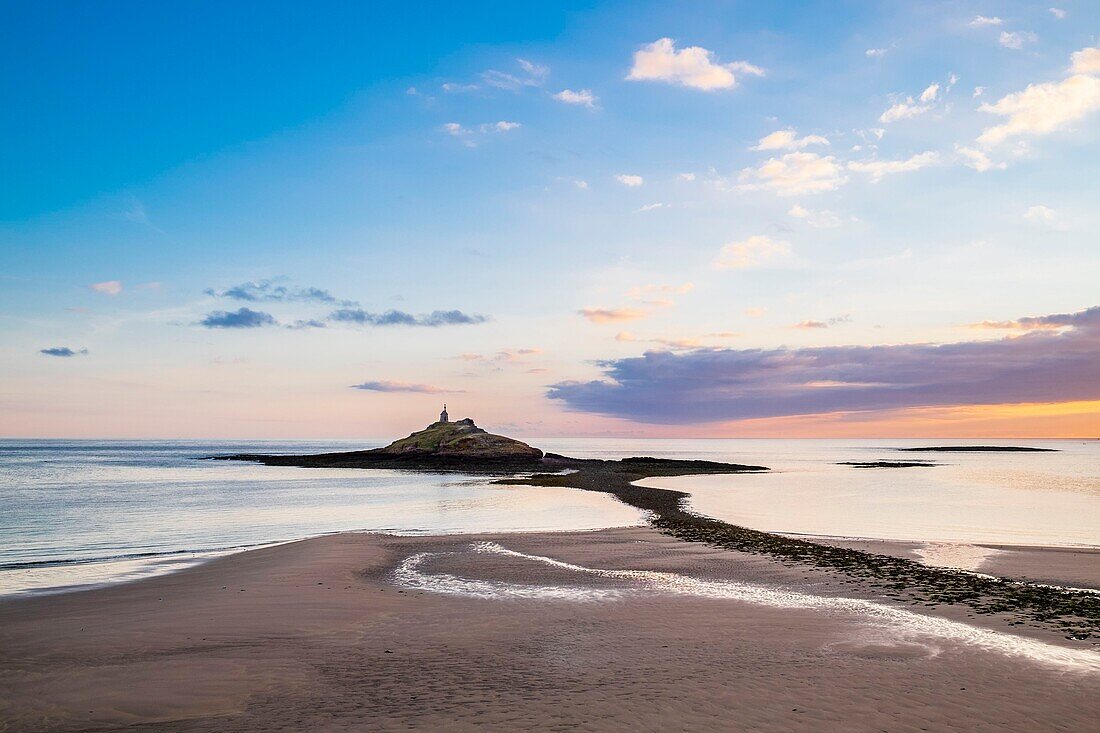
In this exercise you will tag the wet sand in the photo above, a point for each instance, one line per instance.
(319, 635)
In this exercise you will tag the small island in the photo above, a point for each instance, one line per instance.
(887, 464)
(978, 449)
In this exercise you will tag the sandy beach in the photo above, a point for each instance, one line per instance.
(462, 632)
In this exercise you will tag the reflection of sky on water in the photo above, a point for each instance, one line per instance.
(91, 508)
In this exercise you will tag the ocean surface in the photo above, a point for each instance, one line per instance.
(80, 513)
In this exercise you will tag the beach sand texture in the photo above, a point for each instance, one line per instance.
(351, 632)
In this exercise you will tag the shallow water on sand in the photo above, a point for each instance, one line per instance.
(895, 623)
(77, 513)
(85, 512)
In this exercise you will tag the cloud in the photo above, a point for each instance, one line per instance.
(794, 174)
(755, 312)
(401, 318)
(453, 88)
(909, 108)
(753, 252)
(465, 133)
(62, 351)
(788, 140)
(692, 67)
(1056, 322)
(108, 287)
(810, 325)
(1085, 61)
(875, 52)
(531, 75)
(584, 97)
(240, 318)
(502, 126)
(385, 385)
(876, 169)
(981, 21)
(1045, 216)
(1041, 109)
(685, 177)
(822, 219)
(715, 385)
(267, 290)
(631, 181)
(611, 315)
(582, 185)
(1016, 39)
(1057, 13)
(978, 160)
(648, 207)
(300, 325)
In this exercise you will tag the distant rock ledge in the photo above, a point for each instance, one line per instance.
(978, 449)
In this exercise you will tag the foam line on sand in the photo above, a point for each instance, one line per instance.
(899, 622)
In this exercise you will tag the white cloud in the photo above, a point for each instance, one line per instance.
(788, 140)
(952, 80)
(978, 91)
(1085, 61)
(502, 126)
(692, 67)
(648, 207)
(1041, 109)
(821, 219)
(756, 251)
(453, 128)
(1057, 13)
(977, 160)
(535, 71)
(794, 174)
(451, 87)
(875, 52)
(584, 97)
(582, 185)
(109, 287)
(629, 180)
(1016, 39)
(1045, 216)
(981, 21)
(931, 92)
(533, 75)
(908, 107)
(685, 177)
(876, 169)
(904, 110)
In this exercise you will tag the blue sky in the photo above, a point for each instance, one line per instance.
(580, 184)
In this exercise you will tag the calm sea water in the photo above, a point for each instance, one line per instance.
(75, 513)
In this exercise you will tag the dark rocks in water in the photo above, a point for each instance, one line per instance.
(978, 449)
(887, 464)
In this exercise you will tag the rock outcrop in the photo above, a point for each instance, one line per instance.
(460, 439)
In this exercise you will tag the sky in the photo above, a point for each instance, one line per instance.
(623, 219)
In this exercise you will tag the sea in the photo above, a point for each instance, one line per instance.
(76, 514)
